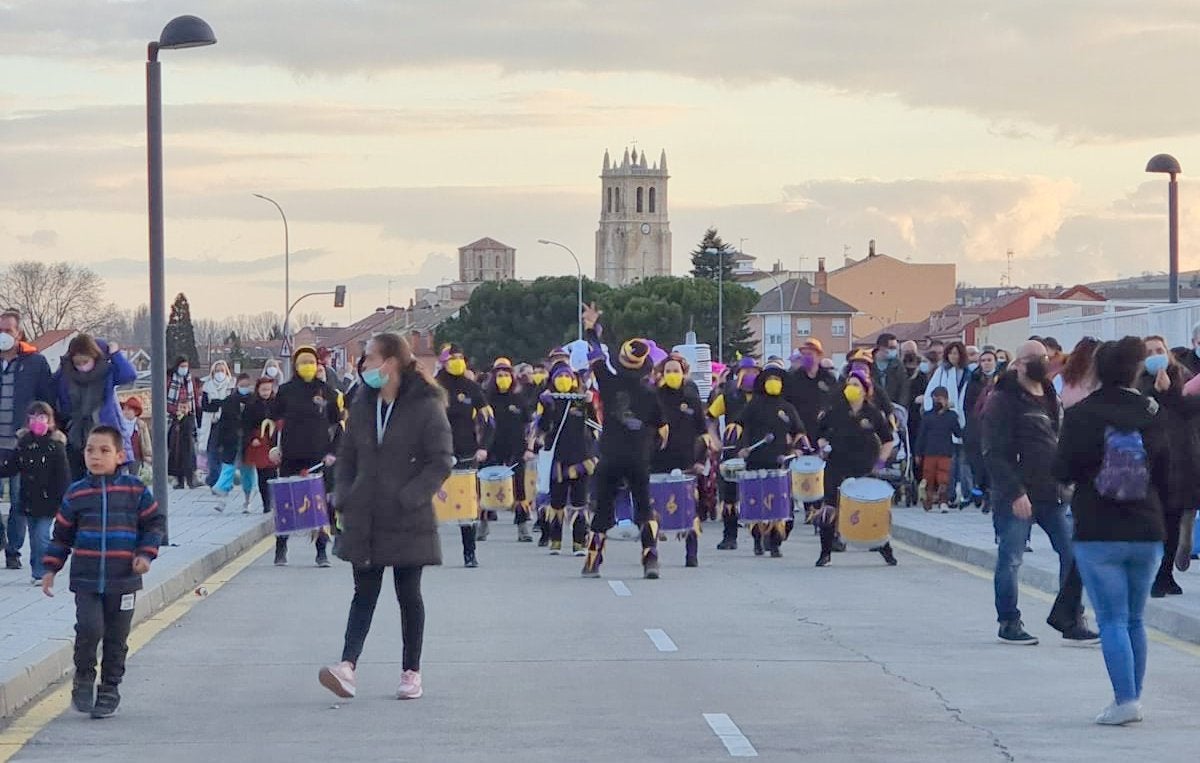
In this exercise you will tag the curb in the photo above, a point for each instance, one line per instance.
(1158, 616)
(54, 659)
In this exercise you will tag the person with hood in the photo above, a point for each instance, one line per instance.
(24, 379)
(1020, 438)
(1115, 450)
(215, 391)
(232, 439)
(40, 460)
(397, 452)
(183, 403)
(734, 395)
(510, 446)
(1163, 379)
(684, 449)
(631, 420)
(473, 425)
(856, 437)
(87, 381)
(307, 410)
(563, 417)
(273, 370)
(771, 420)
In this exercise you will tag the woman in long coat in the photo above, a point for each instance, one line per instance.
(396, 454)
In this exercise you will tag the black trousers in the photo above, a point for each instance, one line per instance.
(368, 582)
(264, 489)
(1172, 518)
(100, 619)
(612, 470)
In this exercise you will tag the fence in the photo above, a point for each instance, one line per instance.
(1068, 321)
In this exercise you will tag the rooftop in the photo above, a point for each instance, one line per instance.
(797, 299)
(485, 243)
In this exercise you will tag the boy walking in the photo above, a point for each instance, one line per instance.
(112, 523)
(935, 448)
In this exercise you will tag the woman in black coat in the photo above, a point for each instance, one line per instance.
(395, 456)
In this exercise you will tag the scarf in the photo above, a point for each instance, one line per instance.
(179, 388)
(86, 392)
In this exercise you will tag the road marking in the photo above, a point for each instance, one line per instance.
(1037, 593)
(661, 640)
(619, 588)
(730, 735)
(27, 725)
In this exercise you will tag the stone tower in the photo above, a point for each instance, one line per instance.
(634, 238)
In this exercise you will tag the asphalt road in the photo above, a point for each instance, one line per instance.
(525, 661)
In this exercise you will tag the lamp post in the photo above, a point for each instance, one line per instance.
(578, 269)
(1169, 165)
(287, 260)
(181, 32)
(720, 254)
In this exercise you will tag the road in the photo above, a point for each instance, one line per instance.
(525, 661)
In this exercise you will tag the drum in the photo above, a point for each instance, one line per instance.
(808, 479)
(496, 488)
(731, 468)
(765, 495)
(674, 498)
(865, 511)
(456, 500)
(300, 504)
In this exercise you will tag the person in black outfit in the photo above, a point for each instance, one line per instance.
(510, 446)
(562, 422)
(811, 389)
(982, 383)
(631, 418)
(770, 418)
(308, 411)
(733, 398)
(684, 448)
(472, 425)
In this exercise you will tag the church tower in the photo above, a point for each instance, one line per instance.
(634, 238)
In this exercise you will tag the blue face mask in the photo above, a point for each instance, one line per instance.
(924, 367)
(243, 391)
(1156, 363)
(373, 378)
(972, 367)
(893, 354)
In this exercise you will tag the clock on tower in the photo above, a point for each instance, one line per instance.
(634, 238)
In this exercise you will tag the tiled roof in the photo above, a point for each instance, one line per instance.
(796, 299)
(51, 338)
(486, 243)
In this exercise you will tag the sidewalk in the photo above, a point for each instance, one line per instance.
(966, 536)
(36, 632)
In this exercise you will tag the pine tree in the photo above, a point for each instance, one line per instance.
(704, 265)
(237, 354)
(181, 336)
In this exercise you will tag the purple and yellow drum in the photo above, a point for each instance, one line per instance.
(765, 495)
(673, 497)
(300, 504)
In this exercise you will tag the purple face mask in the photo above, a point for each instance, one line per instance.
(747, 381)
(808, 362)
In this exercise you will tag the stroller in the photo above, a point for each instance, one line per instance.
(898, 472)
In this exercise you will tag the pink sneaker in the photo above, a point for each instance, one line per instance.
(339, 679)
(410, 685)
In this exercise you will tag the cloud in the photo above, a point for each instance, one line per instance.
(42, 239)
(1085, 70)
(221, 268)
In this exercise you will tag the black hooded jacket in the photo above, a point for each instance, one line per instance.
(768, 416)
(1020, 438)
(684, 415)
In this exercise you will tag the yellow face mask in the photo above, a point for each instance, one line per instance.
(503, 382)
(773, 386)
(456, 366)
(538, 377)
(672, 379)
(306, 371)
(564, 384)
(853, 393)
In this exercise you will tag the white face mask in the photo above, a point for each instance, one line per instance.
(273, 372)
(7, 342)
(182, 371)
(220, 377)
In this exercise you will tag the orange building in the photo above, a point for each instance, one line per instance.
(887, 290)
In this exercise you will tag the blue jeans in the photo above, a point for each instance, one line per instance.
(960, 474)
(224, 483)
(39, 540)
(15, 529)
(1118, 575)
(1012, 534)
(213, 454)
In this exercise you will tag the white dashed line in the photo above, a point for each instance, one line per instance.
(730, 735)
(661, 640)
(619, 588)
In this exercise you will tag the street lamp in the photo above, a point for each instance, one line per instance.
(720, 301)
(181, 32)
(339, 299)
(1169, 165)
(287, 259)
(578, 269)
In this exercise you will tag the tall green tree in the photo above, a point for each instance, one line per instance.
(237, 353)
(181, 335)
(705, 265)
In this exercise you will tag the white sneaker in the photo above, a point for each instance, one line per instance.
(410, 685)
(339, 679)
(1119, 715)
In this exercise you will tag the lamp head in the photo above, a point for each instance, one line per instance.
(1164, 163)
(186, 32)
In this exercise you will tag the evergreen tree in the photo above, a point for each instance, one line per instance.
(704, 265)
(237, 355)
(181, 336)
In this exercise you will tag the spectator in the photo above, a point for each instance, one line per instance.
(24, 379)
(887, 370)
(134, 427)
(273, 371)
(1079, 374)
(935, 448)
(982, 384)
(1020, 438)
(216, 389)
(231, 444)
(953, 375)
(40, 460)
(1191, 361)
(259, 427)
(1058, 358)
(183, 397)
(1114, 449)
(87, 381)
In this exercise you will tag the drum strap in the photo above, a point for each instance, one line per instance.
(382, 419)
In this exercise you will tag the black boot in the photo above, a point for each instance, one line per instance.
(83, 694)
(650, 569)
(281, 545)
(757, 534)
(322, 557)
(691, 550)
(729, 539)
(888, 556)
(107, 701)
(775, 542)
(543, 528)
(468, 542)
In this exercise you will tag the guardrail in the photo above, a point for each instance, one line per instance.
(1068, 321)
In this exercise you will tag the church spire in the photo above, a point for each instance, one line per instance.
(625, 161)
(606, 162)
(662, 162)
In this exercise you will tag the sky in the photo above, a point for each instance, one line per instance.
(393, 133)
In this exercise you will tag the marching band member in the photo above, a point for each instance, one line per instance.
(734, 397)
(509, 446)
(472, 425)
(563, 417)
(684, 449)
(631, 417)
(767, 429)
(857, 438)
